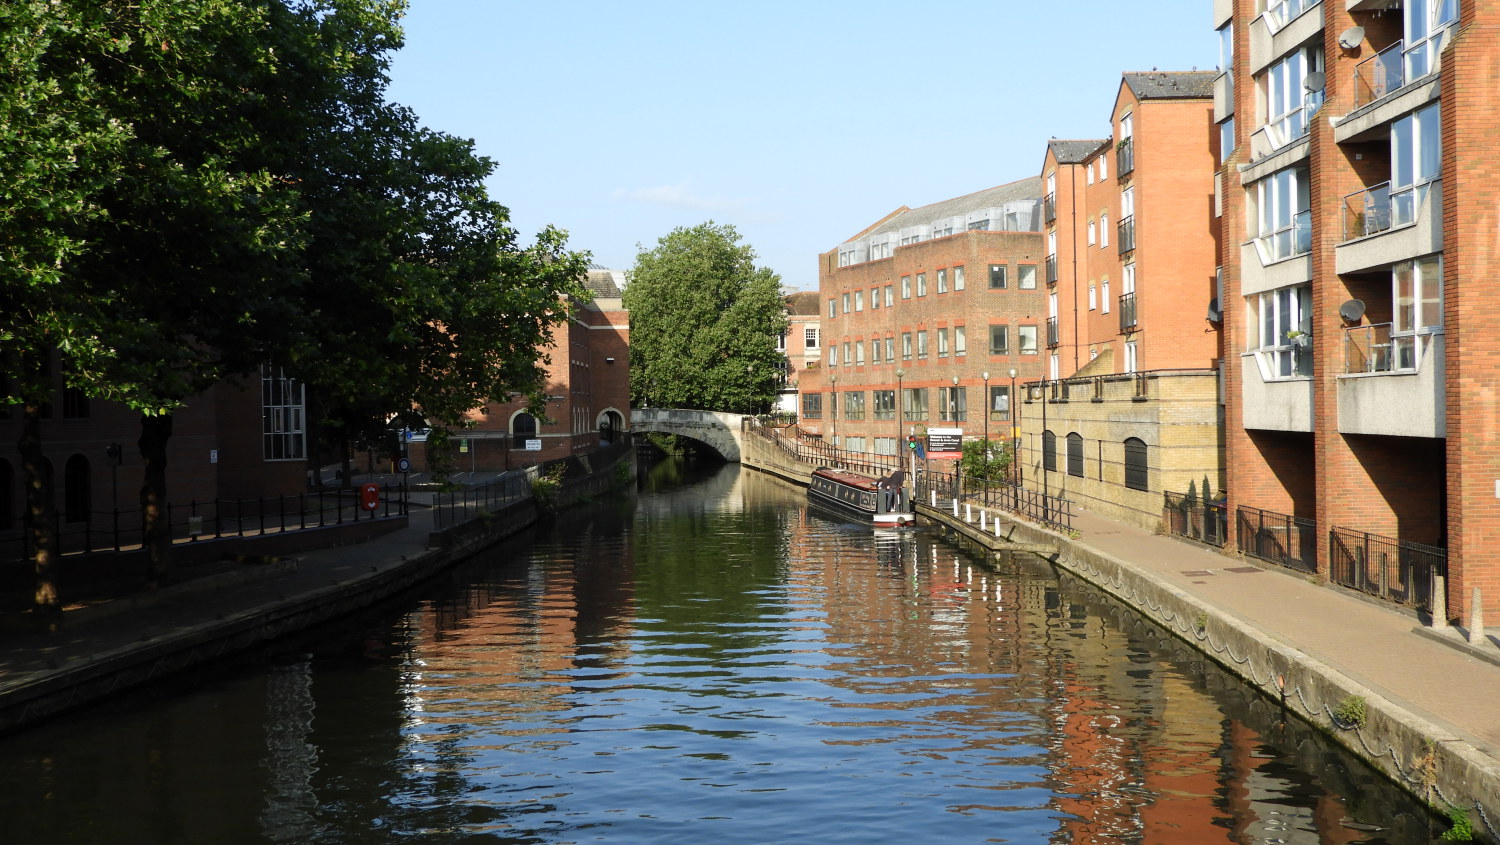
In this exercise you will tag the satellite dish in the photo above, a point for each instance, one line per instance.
(1351, 37)
(1352, 310)
(1214, 314)
(1315, 81)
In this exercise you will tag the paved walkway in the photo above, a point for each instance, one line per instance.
(1451, 684)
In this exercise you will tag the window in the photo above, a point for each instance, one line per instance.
(1285, 215)
(859, 300)
(1226, 139)
(1093, 237)
(1075, 454)
(885, 445)
(1135, 464)
(1103, 167)
(833, 355)
(77, 496)
(1103, 229)
(1226, 47)
(1289, 104)
(921, 284)
(875, 351)
(854, 405)
(522, 428)
(1026, 336)
(1027, 274)
(810, 338)
(906, 287)
(1417, 293)
(1416, 160)
(1132, 363)
(914, 404)
(812, 406)
(75, 404)
(845, 299)
(942, 343)
(874, 297)
(1104, 296)
(1054, 366)
(999, 403)
(833, 308)
(942, 281)
(890, 348)
(1284, 321)
(960, 342)
(854, 444)
(848, 359)
(999, 340)
(885, 404)
(997, 277)
(906, 346)
(859, 354)
(958, 278)
(1049, 451)
(283, 401)
(889, 301)
(781, 342)
(1427, 23)
(1089, 171)
(1093, 297)
(953, 404)
(922, 344)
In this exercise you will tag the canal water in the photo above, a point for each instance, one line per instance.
(709, 662)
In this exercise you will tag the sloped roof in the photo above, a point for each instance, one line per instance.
(601, 283)
(1075, 152)
(1172, 85)
(802, 303)
(1021, 190)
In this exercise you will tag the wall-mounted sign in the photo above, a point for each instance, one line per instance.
(533, 445)
(945, 443)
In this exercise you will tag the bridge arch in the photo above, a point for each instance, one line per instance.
(717, 430)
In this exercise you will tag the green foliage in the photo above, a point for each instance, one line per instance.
(704, 322)
(1461, 829)
(545, 487)
(1350, 711)
(992, 463)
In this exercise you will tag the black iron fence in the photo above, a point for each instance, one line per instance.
(1188, 515)
(1001, 495)
(1398, 571)
(454, 507)
(119, 530)
(1289, 541)
(821, 453)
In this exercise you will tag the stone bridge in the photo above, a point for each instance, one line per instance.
(715, 429)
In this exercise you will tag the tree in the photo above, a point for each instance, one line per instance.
(989, 460)
(704, 322)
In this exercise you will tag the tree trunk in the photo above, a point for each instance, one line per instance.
(345, 463)
(41, 520)
(156, 526)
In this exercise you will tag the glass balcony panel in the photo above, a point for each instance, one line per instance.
(1379, 75)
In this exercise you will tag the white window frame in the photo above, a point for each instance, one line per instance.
(1289, 105)
(1103, 229)
(1284, 218)
(1276, 318)
(1416, 161)
(958, 278)
(960, 341)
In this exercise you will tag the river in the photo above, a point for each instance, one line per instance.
(708, 662)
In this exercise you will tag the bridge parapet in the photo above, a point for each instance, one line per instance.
(718, 430)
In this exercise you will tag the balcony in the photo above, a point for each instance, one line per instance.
(1288, 241)
(1379, 75)
(1125, 157)
(1127, 312)
(1384, 226)
(1279, 13)
(1053, 340)
(1051, 269)
(1125, 234)
(1392, 384)
(1274, 401)
(1367, 212)
(1049, 208)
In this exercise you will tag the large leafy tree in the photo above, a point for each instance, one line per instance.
(704, 321)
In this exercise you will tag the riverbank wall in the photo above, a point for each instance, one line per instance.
(1429, 761)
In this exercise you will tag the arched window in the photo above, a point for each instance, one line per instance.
(1049, 451)
(522, 429)
(1135, 464)
(1075, 454)
(77, 497)
(7, 500)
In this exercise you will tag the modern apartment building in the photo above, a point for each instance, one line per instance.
(926, 312)
(1357, 193)
(1130, 407)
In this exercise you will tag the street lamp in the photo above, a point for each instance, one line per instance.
(900, 373)
(986, 400)
(833, 409)
(1013, 408)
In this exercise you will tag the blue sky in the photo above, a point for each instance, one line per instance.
(800, 123)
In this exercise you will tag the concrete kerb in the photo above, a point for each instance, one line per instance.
(1423, 758)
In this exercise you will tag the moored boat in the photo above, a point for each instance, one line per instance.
(883, 501)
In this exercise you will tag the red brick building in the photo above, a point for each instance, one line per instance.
(917, 309)
(800, 344)
(1358, 197)
(588, 392)
(1131, 404)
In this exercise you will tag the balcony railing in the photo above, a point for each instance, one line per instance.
(1379, 75)
(1289, 541)
(1374, 349)
(1051, 269)
(1125, 157)
(1127, 312)
(1378, 209)
(1294, 124)
(1287, 242)
(1126, 234)
(1187, 515)
(1049, 208)
(1052, 337)
(1399, 571)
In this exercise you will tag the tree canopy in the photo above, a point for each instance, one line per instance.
(704, 323)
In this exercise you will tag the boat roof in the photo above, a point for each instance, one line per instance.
(850, 479)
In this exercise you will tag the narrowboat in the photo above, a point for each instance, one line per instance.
(884, 502)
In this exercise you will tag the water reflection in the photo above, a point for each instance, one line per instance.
(712, 662)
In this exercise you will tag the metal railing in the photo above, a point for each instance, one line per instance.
(1289, 241)
(821, 453)
(1289, 541)
(1125, 157)
(1125, 234)
(1398, 571)
(1053, 338)
(453, 507)
(1367, 212)
(1051, 269)
(1049, 208)
(1373, 349)
(1127, 311)
(1188, 515)
(1379, 75)
(1001, 495)
(124, 530)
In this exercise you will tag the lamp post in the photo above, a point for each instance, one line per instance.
(986, 400)
(1045, 454)
(900, 373)
(1013, 409)
(833, 408)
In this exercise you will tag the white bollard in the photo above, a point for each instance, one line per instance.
(997, 526)
(955, 506)
(1476, 620)
(968, 513)
(934, 497)
(982, 516)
